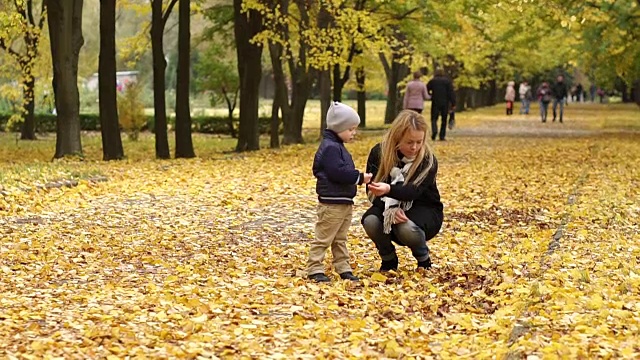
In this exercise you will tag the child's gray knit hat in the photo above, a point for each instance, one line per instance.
(341, 117)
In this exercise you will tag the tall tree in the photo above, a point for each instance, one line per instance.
(159, 17)
(184, 143)
(31, 29)
(248, 23)
(65, 33)
(109, 125)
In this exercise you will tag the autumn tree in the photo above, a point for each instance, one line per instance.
(159, 17)
(109, 125)
(247, 23)
(184, 143)
(24, 23)
(609, 38)
(65, 33)
(306, 40)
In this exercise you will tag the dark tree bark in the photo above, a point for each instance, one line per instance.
(109, 124)
(158, 22)
(246, 25)
(362, 97)
(281, 98)
(324, 81)
(184, 143)
(635, 91)
(395, 72)
(29, 127)
(65, 33)
(274, 142)
(231, 105)
(340, 79)
(324, 75)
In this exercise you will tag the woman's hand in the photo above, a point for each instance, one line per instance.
(379, 189)
(401, 217)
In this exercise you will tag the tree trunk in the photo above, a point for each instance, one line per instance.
(29, 125)
(159, 66)
(461, 98)
(337, 83)
(324, 79)
(299, 97)
(230, 107)
(492, 93)
(184, 143)
(65, 33)
(250, 71)
(109, 124)
(281, 94)
(274, 142)
(394, 105)
(362, 97)
(635, 92)
(624, 90)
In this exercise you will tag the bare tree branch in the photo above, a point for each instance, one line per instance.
(8, 49)
(30, 12)
(167, 12)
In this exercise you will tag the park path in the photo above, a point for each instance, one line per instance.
(540, 237)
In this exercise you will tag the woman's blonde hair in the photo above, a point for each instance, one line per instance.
(406, 121)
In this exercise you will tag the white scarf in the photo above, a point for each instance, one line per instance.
(391, 206)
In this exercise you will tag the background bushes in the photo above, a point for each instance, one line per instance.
(91, 122)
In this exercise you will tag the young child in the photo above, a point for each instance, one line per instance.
(337, 180)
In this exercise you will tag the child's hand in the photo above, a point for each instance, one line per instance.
(367, 178)
(379, 189)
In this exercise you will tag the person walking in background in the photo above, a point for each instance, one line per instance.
(592, 92)
(415, 94)
(443, 99)
(579, 91)
(560, 93)
(600, 93)
(510, 96)
(525, 97)
(544, 97)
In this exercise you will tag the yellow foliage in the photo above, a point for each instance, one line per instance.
(203, 257)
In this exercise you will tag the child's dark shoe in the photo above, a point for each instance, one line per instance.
(349, 276)
(424, 264)
(388, 265)
(319, 277)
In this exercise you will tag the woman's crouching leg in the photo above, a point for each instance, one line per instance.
(374, 228)
(413, 236)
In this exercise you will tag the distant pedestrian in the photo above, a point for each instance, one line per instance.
(510, 96)
(443, 100)
(525, 97)
(544, 98)
(560, 94)
(579, 91)
(415, 94)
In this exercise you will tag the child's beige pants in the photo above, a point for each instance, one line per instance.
(332, 228)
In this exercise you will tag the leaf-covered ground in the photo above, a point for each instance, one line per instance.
(538, 256)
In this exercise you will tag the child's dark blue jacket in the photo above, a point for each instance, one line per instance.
(336, 173)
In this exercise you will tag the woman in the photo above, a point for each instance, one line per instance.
(510, 96)
(415, 94)
(406, 202)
